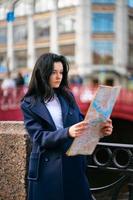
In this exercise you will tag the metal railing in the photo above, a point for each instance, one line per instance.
(114, 157)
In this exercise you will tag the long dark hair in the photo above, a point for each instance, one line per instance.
(39, 83)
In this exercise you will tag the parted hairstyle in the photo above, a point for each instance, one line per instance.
(39, 83)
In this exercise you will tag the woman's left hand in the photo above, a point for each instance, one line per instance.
(106, 128)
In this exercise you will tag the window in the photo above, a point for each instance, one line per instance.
(66, 24)
(104, 1)
(131, 26)
(102, 52)
(20, 33)
(67, 49)
(3, 36)
(131, 54)
(20, 59)
(40, 51)
(130, 3)
(42, 29)
(102, 22)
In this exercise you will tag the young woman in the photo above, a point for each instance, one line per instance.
(52, 119)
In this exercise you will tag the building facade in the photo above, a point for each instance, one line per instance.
(95, 35)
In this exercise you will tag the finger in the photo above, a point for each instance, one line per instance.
(85, 128)
(109, 120)
(82, 128)
(107, 133)
(106, 125)
(108, 130)
(79, 134)
(82, 124)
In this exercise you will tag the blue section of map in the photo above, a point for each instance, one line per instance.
(106, 113)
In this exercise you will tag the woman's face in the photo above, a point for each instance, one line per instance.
(57, 75)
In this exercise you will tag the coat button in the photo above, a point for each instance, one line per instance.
(58, 157)
(70, 113)
(46, 159)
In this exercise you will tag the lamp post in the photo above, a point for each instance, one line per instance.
(10, 52)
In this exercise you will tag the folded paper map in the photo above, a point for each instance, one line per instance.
(99, 111)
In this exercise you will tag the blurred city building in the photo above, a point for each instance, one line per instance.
(95, 35)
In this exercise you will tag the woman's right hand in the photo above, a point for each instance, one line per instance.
(78, 129)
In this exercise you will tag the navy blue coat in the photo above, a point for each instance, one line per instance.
(53, 175)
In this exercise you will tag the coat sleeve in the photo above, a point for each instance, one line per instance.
(38, 134)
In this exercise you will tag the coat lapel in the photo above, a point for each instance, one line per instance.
(41, 110)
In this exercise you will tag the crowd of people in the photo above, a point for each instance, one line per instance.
(9, 82)
(11, 90)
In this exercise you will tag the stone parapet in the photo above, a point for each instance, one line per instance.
(13, 160)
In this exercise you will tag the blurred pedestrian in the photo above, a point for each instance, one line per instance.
(19, 80)
(8, 87)
(20, 90)
(53, 119)
(8, 82)
(76, 80)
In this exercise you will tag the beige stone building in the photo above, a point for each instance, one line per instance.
(95, 35)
